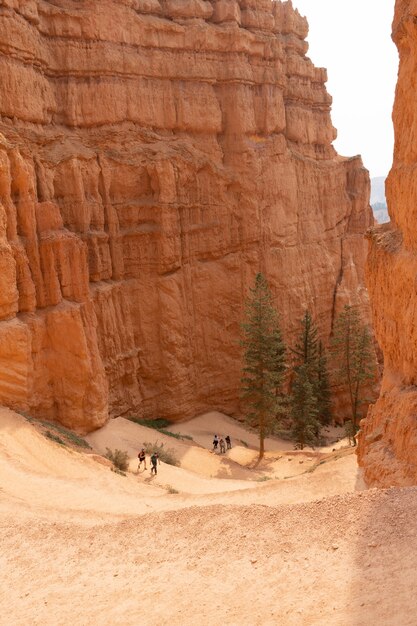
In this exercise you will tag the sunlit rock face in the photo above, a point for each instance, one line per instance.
(155, 155)
(388, 446)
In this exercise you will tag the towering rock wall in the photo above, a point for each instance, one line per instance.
(388, 445)
(154, 155)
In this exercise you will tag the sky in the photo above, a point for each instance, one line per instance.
(353, 41)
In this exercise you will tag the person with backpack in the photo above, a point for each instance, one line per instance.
(154, 462)
(142, 458)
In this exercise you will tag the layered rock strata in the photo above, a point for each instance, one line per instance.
(156, 154)
(388, 445)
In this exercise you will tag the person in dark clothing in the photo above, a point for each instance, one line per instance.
(228, 442)
(154, 462)
(215, 443)
(142, 458)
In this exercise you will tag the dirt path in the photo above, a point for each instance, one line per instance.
(82, 545)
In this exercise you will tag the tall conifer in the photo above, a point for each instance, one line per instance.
(305, 424)
(264, 361)
(354, 360)
(322, 391)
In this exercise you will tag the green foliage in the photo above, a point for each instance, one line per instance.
(119, 459)
(175, 435)
(53, 437)
(352, 353)
(305, 424)
(156, 424)
(117, 471)
(264, 361)
(67, 436)
(310, 354)
(306, 350)
(171, 489)
(167, 455)
(159, 424)
(322, 388)
(350, 431)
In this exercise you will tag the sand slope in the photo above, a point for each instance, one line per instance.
(82, 545)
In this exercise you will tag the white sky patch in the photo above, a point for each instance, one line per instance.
(353, 41)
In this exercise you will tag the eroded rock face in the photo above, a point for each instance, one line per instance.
(388, 445)
(154, 156)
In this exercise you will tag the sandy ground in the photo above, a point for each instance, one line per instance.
(82, 545)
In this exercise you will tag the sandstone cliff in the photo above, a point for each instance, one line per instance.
(154, 155)
(388, 445)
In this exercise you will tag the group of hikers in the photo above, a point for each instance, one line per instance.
(154, 461)
(221, 443)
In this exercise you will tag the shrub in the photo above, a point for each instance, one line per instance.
(119, 459)
(167, 455)
(53, 437)
(175, 435)
(68, 435)
(117, 471)
(156, 423)
(171, 489)
(160, 425)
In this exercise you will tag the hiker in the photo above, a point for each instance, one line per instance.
(228, 443)
(154, 461)
(215, 443)
(222, 446)
(142, 458)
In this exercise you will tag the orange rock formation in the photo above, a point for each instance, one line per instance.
(388, 445)
(156, 154)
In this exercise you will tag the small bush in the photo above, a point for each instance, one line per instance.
(167, 455)
(119, 459)
(117, 471)
(160, 425)
(350, 432)
(70, 436)
(262, 479)
(171, 489)
(175, 435)
(55, 438)
(157, 423)
(244, 443)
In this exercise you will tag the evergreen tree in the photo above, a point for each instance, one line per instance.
(264, 361)
(305, 424)
(322, 391)
(310, 355)
(352, 351)
(306, 350)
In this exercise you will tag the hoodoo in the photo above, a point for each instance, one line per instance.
(154, 155)
(388, 446)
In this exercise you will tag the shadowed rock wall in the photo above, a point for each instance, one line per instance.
(388, 445)
(154, 155)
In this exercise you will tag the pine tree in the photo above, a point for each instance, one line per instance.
(264, 361)
(306, 350)
(309, 354)
(322, 390)
(305, 424)
(354, 360)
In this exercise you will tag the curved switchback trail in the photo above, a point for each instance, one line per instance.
(82, 545)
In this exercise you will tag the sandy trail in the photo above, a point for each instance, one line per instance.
(82, 545)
